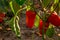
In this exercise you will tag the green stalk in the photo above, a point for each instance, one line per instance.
(21, 10)
(10, 3)
(35, 9)
(43, 31)
(41, 18)
(33, 36)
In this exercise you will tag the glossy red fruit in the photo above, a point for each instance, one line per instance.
(2, 15)
(54, 19)
(30, 18)
(1, 20)
(41, 26)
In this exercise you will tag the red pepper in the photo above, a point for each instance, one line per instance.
(54, 19)
(1, 20)
(41, 26)
(2, 15)
(30, 18)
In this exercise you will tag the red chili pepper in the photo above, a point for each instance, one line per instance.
(2, 15)
(41, 26)
(30, 18)
(1, 19)
(54, 19)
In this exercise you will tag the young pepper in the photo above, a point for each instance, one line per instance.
(54, 19)
(30, 18)
(2, 15)
(41, 26)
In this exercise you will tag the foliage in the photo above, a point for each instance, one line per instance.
(47, 7)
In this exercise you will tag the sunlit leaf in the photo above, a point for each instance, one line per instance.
(52, 8)
(59, 5)
(15, 6)
(11, 5)
(12, 24)
(17, 31)
(56, 1)
(28, 8)
(15, 26)
(37, 21)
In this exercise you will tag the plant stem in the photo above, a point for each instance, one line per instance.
(21, 10)
(43, 24)
(10, 3)
(35, 9)
(33, 36)
(43, 31)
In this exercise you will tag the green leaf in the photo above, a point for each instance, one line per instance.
(37, 21)
(28, 8)
(59, 5)
(52, 8)
(12, 24)
(46, 3)
(16, 7)
(2, 6)
(15, 26)
(6, 3)
(56, 1)
(11, 5)
(20, 2)
(17, 31)
(50, 32)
